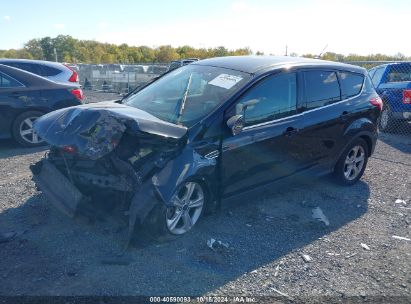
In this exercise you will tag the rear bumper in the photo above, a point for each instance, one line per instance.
(402, 115)
(57, 188)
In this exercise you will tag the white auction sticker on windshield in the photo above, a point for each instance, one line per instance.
(225, 81)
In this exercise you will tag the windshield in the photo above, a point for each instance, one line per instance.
(188, 94)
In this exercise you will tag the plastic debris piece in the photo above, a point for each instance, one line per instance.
(214, 244)
(365, 246)
(306, 258)
(281, 293)
(400, 201)
(318, 214)
(277, 270)
(210, 243)
(401, 238)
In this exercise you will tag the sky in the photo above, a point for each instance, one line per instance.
(361, 27)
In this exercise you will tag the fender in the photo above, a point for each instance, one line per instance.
(364, 128)
(188, 165)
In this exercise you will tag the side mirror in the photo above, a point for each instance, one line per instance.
(236, 124)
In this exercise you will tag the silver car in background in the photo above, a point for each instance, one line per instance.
(54, 71)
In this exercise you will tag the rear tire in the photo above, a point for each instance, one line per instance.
(166, 223)
(23, 132)
(352, 163)
(387, 122)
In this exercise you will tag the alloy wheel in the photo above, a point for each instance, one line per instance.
(188, 203)
(354, 162)
(385, 116)
(27, 132)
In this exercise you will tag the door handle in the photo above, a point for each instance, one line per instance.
(290, 131)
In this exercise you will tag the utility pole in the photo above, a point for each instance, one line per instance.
(286, 50)
(55, 54)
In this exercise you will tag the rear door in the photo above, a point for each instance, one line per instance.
(323, 120)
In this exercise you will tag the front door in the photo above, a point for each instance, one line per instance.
(260, 153)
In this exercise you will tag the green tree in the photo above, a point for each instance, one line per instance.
(166, 53)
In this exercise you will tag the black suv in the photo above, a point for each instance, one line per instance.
(208, 131)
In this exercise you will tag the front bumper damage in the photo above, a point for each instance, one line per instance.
(67, 198)
(57, 188)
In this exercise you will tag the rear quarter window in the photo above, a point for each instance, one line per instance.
(351, 84)
(50, 71)
(320, 88)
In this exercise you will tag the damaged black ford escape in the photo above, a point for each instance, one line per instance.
(172, 150)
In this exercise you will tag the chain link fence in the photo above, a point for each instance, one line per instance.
(117, 78)
(392, 81)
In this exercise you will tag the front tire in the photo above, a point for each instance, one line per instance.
(23, 132)
(352, 163)
(165, 223)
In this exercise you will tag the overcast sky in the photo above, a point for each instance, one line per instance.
(360, 27)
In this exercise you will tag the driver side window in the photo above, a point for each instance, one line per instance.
(272, 98)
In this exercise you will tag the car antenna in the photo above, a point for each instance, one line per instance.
(183, 100)
(319, 55)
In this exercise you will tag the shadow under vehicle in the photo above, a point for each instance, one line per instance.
(211, 130)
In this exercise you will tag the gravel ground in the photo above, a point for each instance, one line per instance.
(95, 96)
(275, 246)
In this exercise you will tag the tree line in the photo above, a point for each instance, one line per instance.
(69, 49)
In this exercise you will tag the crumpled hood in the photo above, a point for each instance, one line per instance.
(94, 130)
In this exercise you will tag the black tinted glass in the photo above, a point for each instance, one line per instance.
(320, 88)
(49, 71)
(8, 82)
(399, 73)
(351, 84)
(272, 98)
(376, 78)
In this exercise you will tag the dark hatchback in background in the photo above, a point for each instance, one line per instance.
(24, 97)
(205, 132)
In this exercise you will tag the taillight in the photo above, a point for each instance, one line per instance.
(69, 149)
(376, 101)
(78, 93)
(74, 77)
(406, 96)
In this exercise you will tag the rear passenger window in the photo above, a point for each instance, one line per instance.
(351, 84)
(320, 88)
(8, 82)
(49, 71)
(271, 98)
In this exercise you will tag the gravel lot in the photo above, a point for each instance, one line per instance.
(268, 237)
